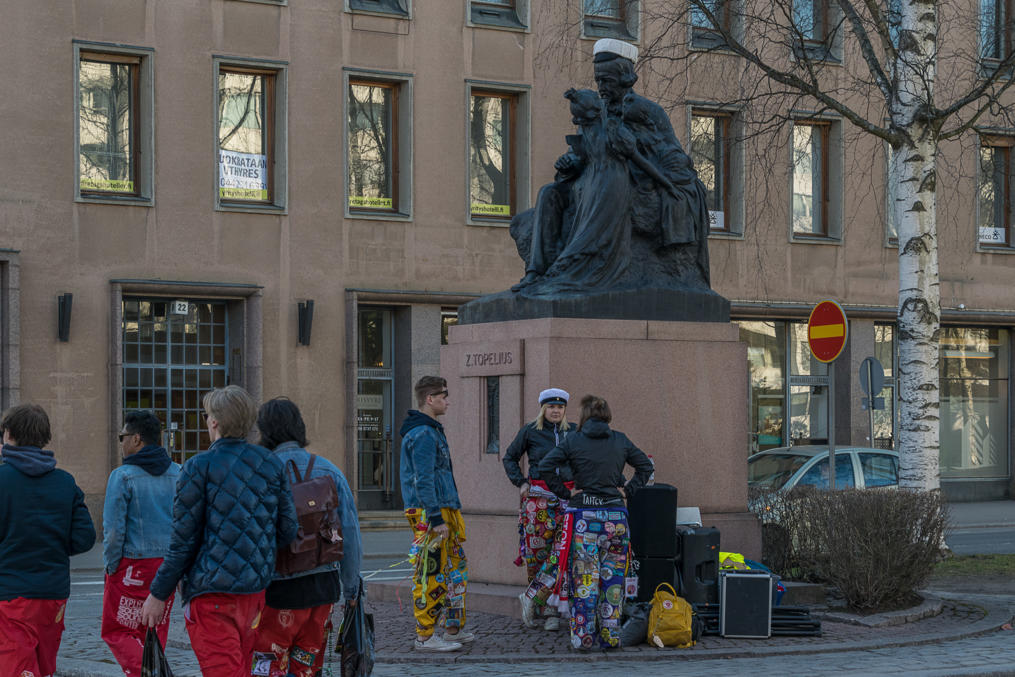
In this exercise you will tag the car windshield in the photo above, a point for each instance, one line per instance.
(773, 470)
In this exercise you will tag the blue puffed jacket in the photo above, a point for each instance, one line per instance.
(352, 542)
(427, 478)
(137, 515)
(232, 511)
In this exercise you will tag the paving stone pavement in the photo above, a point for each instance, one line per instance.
(925, 647)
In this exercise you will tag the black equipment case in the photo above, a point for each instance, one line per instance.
(745, 604)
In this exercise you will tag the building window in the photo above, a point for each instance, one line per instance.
(994, 193)
(711, 135)
(703, 28)
(891, 222)
(449, 318)
(114, 133)
(995, 29)
(174, 351)
(974, 402)
(610, 19)
(378, 146)
(251, 139)
(884, 419)
(399, 8)
(815, 26)
(374, 403)
(492, 122)
(816, 179)
(510, 14)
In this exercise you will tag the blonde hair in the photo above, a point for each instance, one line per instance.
(541, 417)
(233, 408)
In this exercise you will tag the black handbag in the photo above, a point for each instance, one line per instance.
(356, 638)
(153, 661)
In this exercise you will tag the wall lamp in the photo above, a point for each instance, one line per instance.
(63, 305)
(305, 321)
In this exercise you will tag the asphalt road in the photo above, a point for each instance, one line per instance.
(982, 541)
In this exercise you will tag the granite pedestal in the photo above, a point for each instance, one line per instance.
(676, 389)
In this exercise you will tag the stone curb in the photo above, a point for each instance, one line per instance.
(996, 614)
(931, 606)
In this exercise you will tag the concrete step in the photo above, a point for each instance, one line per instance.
(379, 520)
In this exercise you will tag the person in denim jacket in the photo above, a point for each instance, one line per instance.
(290, 636)
(433, 509)
(137, 521)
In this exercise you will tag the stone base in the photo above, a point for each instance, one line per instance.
(676, 389)
(671, 305)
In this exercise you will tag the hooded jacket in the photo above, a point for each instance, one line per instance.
(428, 481)
(597, 456)
(536, 444)
(232, 511)
(43, 521)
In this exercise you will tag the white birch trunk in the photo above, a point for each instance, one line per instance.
(912, 173)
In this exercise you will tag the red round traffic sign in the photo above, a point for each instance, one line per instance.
(827, 331)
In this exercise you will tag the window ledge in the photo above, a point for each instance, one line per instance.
(819, 52)
(386, 216)
(995, 249)
(250, 209)
(389, 8)
(504, 18)
(704, 40)
(725, 235)
(495, 223)
(817, 239)
(112, 200)
(594, 29)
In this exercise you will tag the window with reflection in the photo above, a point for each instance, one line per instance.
(766, 364)
(995, 29)
(884, 419)
(374, 406)
(372, 146)
(108, 124)
(811, 19)
(246, 134)
(974, 371)
(610, 18)
(994, 191)
(491, 155)
(710, 152)
(810, 178)
(707, 18)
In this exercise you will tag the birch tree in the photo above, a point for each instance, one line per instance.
(877, 65)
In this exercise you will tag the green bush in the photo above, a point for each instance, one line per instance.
(877, 547)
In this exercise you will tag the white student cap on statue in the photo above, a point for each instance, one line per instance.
(610, 46)
(553, 396)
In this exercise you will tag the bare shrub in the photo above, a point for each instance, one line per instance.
(877, 547)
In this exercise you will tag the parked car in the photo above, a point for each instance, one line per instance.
(783, 468)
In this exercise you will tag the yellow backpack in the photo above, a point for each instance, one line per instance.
(670, 619)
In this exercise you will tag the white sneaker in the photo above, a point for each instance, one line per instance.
(435, 643)
(552, 624)
(462, 637)
(528, 611)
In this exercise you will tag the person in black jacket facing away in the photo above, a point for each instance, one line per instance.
(541, 512)
(43, 521)
(600, 542)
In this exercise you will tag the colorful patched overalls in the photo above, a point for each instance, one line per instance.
(548, 588)
(440, 572)
(598, 562)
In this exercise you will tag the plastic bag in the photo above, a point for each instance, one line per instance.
(634, 629)
(356, 638)
(153, 661)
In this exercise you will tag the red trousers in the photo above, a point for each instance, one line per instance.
(125, 593)
(30, 631)
(222, 631)
(294, 640)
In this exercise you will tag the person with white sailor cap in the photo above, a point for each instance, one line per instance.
(540, 512)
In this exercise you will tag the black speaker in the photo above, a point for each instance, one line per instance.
(652, 571)
(652, 518)
(699, 565)
(745, 607)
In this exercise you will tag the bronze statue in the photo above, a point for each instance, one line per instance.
(625, 191)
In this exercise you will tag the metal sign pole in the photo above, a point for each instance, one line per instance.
(870, 402)
(831, 426)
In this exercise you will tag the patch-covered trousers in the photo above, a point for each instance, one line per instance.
(222, 629)
(30, 631)
(294, 638)
(440, 574)
(600, 550)
(122, 599)
(548, 587)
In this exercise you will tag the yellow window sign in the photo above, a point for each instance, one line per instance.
(107, 185)
(243, 194)
(370, 202)
(482, 209)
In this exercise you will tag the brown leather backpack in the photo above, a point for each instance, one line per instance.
(319, 540)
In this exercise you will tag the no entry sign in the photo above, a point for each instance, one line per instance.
(827, 331)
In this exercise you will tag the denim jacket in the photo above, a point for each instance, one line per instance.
(137, 518)
(427, 478)
(352, 543)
